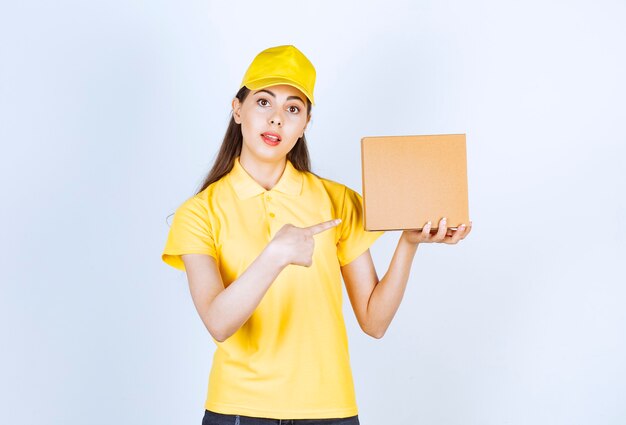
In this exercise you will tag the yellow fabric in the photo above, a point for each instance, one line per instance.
(290, 360)
(281, 65)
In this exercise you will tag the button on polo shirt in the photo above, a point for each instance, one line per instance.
(290, 359)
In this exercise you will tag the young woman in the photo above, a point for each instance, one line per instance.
(264, 244)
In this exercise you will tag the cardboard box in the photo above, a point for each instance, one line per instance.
(410, 180)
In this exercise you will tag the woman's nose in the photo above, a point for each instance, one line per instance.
(275, 119)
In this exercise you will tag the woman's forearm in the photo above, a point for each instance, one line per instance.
(388, 292)
(235, 304)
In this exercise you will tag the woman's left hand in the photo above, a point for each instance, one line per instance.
(443, 235)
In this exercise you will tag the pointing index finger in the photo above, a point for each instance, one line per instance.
(320, 227)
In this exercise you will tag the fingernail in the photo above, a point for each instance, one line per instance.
(338, 221)
(443, 219)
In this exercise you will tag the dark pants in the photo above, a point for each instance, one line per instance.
(213, 418)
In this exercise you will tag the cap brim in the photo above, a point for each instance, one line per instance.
(274, 81)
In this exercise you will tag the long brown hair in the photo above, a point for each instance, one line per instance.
(231, 148)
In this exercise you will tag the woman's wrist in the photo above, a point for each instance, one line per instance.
(406, 239)
(274, 256)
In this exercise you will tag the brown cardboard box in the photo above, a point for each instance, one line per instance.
(409, 180)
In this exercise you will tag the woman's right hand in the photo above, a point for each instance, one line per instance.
(294, 245)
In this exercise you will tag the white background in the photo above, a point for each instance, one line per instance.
(111, 115)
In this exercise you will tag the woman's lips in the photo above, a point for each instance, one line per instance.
(269, 141)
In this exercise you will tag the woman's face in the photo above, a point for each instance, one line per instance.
(272, 119)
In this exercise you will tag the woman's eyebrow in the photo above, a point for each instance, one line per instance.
(274, 96)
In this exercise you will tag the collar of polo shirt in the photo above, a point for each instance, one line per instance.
(245, 186)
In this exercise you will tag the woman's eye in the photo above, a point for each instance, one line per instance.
(296, 109)
(260, 102)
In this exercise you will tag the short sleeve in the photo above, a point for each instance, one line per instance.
(190, 233)
(354, 240)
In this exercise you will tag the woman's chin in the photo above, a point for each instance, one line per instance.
(266, 152)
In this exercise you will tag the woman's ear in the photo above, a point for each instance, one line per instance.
(236, 110)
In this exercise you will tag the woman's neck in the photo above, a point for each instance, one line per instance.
(266, 174)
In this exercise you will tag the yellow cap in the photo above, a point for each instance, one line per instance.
(281, 65)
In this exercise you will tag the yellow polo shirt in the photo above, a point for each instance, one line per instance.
(290, 359)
